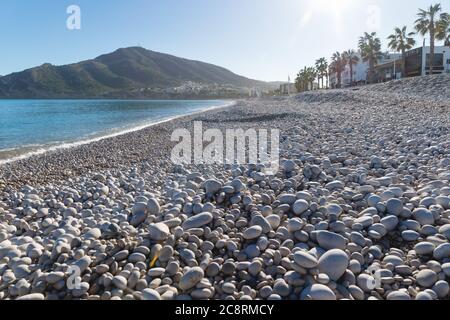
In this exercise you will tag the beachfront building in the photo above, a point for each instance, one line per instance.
(418, 61)
(359, 74)
(389, 67)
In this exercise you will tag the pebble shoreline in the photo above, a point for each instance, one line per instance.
(360, 208)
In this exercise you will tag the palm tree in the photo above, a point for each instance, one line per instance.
(337, 66)
(444, 28)
(370, 50)
(322, 68)
(312, 74)
(350, 58)
(301, 80)
(428, 23)
(401, 41)
(305, 79)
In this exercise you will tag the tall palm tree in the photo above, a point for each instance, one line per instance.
(428, 23)
(401, 41)
(370, 50)
(312, 74)
(444, 28)
(337, 66)
(350, 58)
(322, 68)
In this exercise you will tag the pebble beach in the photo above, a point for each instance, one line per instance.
(359, 210)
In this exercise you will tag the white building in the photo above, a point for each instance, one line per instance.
(418, 61)
(390, 66)
(359, 73)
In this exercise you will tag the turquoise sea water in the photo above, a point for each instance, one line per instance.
(34, 126)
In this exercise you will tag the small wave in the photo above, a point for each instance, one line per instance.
(42, 149)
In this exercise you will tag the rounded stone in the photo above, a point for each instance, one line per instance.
(305, 259)
(153, 207)
(410, 235)
(398, 295)
(394, 207)
(252, 233)
(442, 251)
(158, 231)
(198, 221)
(333, 263)
(191, 278)
(329, 240)
(120, 282)
(300, 206)
(423, 216)
(424, 248)
(318, 292)
(32, 296)
(150, 294)
(426, 278)
(441, 288)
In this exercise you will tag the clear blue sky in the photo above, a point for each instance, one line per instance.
(261, 39)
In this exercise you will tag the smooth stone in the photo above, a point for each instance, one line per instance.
(334, 210)
(32, 296)
(300, 206)
(136, 257)
(424, 248)
(442, 251)
(138, 218)
(390, 222)
(120, 282)
(426, 278)
(318, 292)
(446, 269)
(281, 288)
(212, 186)
(398, 295)
(410, 235)
(329, 240)
(274, 221)
(333, 263)
(94, 233)
(54, 277)
(191, 278)
(198, 221)
(305, 259)
(445, 231)
(424, 296)
(153, 207)
(423, 216)
(252, 233)
(366, 282)
(262, 222)
(394, 207)
(158, 231)
(393, 259)
(150, 294)
(121, 255)
(334, 185)
(441, 288)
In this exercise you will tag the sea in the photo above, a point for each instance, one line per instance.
(30, 127)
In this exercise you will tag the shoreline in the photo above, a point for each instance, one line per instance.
(42, 149)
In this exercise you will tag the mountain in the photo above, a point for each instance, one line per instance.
(127, 73)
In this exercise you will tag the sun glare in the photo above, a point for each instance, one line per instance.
(334, 6)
